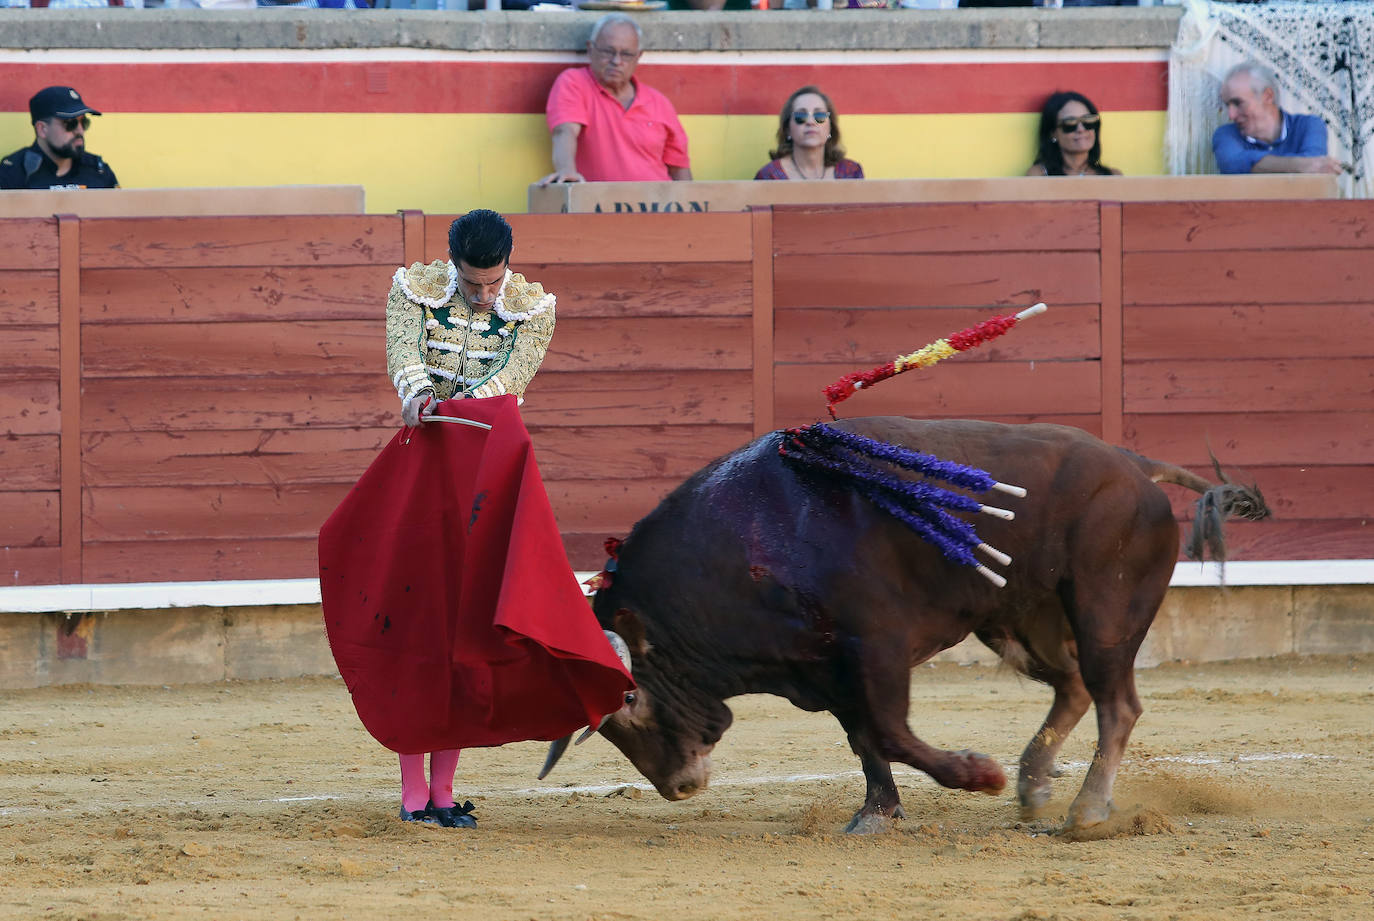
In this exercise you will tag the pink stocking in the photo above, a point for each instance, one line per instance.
(414, 790)
(442, 765)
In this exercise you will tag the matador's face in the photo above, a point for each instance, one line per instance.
(480, 287)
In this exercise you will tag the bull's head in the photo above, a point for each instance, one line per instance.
(667, 727)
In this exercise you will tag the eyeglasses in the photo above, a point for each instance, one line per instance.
(820, 115)
(1070, 125)
(613, 55)
(71, 123)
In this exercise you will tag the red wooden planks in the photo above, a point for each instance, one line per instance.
(1322, 276)
(1296, 493)
(650, 344)
(970, 390)
(241, 241)
(277, 293)
(1344, 539)
(31, 565)
(612, 451)
(29, 462)
(207, 404)
(935, 228)
(200, 560)
(29, 407)
(28, 298)
(603, 238)
(29, 519)
(1249, 330)
(1249, 385)
(296, 349)
(172, 512)
(1004, 280)
(28, 352)
(282, 457)
(1248, 225)
(637, 289)
(1243, 438)
(28, 243)
(611, 505)
(638, 398)
(870, 337)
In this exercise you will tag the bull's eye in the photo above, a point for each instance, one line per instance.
(629, 698)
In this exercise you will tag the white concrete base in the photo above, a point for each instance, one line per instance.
(183, 641)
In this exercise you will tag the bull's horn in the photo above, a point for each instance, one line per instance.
(590, 730)
(558, 747)
(556, 750)
(622, 649)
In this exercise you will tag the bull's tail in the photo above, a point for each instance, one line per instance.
(1218, 502)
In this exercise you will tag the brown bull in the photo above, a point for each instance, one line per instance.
(755, 576)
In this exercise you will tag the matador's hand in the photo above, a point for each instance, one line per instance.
(422, 404)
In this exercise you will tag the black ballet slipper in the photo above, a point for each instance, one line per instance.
(425, 815)
(453, 816)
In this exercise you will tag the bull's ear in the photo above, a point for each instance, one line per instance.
(628, 625)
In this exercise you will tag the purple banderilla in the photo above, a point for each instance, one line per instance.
(918, 505)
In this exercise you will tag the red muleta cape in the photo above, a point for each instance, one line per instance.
(450, 606)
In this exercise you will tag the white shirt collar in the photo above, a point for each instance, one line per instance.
(1283, 132)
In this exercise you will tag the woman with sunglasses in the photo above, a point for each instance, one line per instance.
(1070, 138)
(809, 141)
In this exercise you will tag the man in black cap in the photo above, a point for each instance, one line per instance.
(58, 158)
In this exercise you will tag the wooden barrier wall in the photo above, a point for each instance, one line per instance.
(223, 385)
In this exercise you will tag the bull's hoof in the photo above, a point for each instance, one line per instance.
(1034, 808)
(872, 823)
(984, 774)
(1033, 798)
(1083, 817)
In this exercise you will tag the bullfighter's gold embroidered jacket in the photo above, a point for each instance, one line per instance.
(434, 339)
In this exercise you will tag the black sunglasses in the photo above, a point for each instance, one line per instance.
(820, 115)
(1070, 125)
(71, 123)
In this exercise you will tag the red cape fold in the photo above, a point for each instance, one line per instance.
(450, 606)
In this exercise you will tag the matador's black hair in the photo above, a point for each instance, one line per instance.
(480, 238)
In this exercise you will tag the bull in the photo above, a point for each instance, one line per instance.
(756, 576)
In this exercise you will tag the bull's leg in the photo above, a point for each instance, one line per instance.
(1033, 781)
(1109, 626)
(882, 803)
(881, 735)
(1112, 685)
(1114, 584)
(1043, 648)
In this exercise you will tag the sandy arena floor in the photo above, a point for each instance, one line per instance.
(1247, 793)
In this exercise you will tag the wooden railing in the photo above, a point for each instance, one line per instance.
(188, 398)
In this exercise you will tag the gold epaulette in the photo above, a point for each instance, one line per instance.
(430, 285)
(523, 300)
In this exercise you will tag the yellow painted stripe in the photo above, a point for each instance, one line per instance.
(453, 162)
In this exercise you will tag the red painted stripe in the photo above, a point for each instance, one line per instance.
(696, 89)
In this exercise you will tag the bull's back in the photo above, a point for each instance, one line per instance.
(754, 518)
(1080, 490)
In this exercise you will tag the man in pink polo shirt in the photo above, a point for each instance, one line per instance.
(606, 125)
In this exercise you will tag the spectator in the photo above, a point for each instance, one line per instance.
(606, 125)
(1070, 138)
(1262, 138)
(57, 158)
(809, 141)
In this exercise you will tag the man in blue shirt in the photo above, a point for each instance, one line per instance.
(1262, 138)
